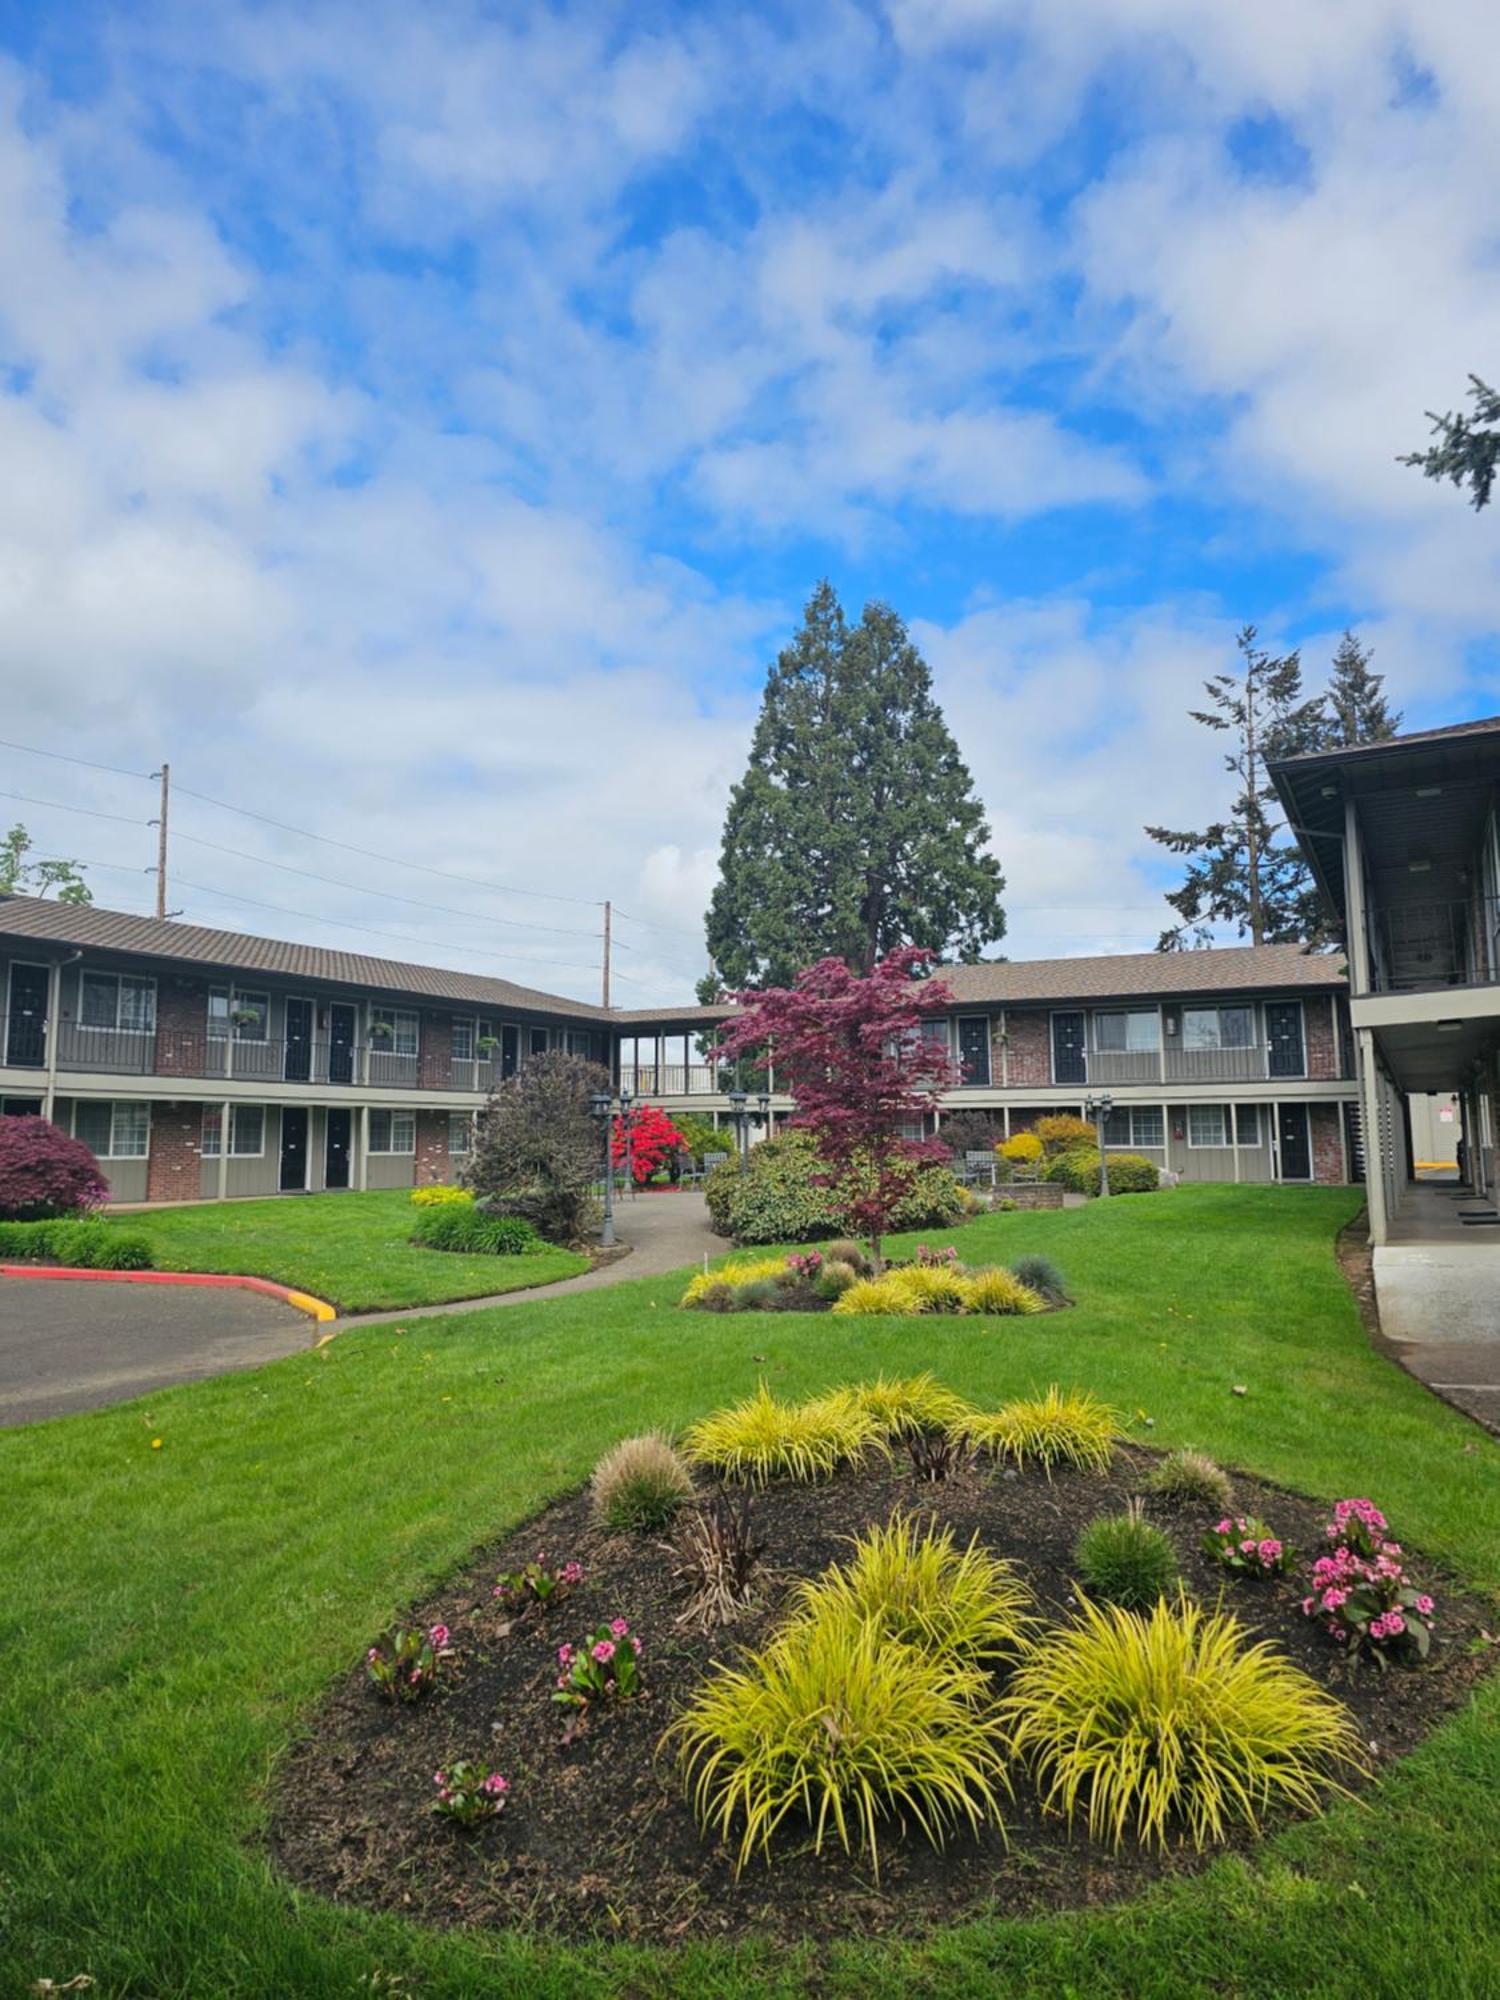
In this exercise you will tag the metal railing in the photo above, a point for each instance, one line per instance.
(672, 1079)
(1256, 1062)
(1421, 947)
(189, 1053)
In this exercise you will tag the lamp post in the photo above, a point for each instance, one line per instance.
(764, 1101)
(1098, 1108)
(737, 1102)
(602, 1109)
(626, 1100)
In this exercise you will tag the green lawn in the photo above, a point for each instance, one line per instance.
(352, 1249)
(168, 1620)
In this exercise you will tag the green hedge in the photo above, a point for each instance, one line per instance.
(776, 1200)
(458, 1226)
(83, 1246)
(1129, 1173)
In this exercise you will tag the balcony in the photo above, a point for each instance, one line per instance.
(1425, 947)
(671, 1079)
(136, 1052)
(1255, 1062)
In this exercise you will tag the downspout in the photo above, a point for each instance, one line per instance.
(54, 1023)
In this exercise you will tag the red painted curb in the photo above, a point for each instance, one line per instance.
(303, 1301)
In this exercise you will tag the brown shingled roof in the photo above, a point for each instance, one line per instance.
(1145, 975)
(86, 925)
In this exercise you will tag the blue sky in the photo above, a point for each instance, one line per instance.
(422, 425)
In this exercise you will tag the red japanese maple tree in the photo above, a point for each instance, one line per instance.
(854, 1054)
(653, 1138)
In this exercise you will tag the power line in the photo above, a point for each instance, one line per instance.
(56, 805)
(61, 757)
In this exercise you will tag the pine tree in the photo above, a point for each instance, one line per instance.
(855, 829)
(1468, 451)
(1358, 711)
(1238, 872)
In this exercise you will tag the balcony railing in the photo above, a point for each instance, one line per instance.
(671, 1079)
(169, 1053)
(1423, 947)
(1256, 1062)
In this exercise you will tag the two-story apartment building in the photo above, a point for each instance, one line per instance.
(1404, 840)
(201, 1064)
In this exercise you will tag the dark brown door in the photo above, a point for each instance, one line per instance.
(1293, 1146)
(299, 1030)
(340, 1044)
(336, 1151)
(1069, 1061)
(293, 1148)
(26, 1030)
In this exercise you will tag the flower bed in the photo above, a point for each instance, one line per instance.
(353, 1813)
(840, 1279)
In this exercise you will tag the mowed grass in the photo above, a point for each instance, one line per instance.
(169, 1620)
(351, 1249)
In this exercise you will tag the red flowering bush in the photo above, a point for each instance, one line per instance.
(649, 1139)
(44, 1173)
(1361, 1594)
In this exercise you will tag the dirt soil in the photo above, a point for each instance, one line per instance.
(598, 1839)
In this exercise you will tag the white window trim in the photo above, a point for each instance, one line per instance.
(232, 1030)
(1218, 1009)
(117, 980)
(235, 1152)
(1151, 1014)
(386, 1045)
(392, 1152)
(1132, 1112)
(1258, 1143)
(466, 1118)
(1224, 1145)
(116, 1104)
(471, 1022)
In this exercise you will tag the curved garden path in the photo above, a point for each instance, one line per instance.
(664, 1231)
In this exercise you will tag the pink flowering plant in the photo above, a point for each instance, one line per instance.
(1361, 1594)
(1245, 1546)
(404, 1665)
(469, 1793)
(806, 1263)
(605, 1667)
(936, 1260)
(538, 1582)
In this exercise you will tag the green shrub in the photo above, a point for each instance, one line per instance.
(1171, 1720)
(25, 1239)
(834, 1280)
(777, 1198)
(640, 1483)
(844, 1250)
(1125, 1560)
(1192, 1479)
(837, 1727)
(90, 1246)
(1129, 1173)
(1041, 1275)
(1076, 1170)
(923, 1590)
(463, 1227)
(1063, 1133)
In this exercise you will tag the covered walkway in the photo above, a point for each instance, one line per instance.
(1437, 1286)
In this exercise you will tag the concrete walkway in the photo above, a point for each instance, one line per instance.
(664, 1231)
(1437, 1287)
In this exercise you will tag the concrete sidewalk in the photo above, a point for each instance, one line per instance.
(1437, 1288)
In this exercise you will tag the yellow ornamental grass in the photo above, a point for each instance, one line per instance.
(923, 1590)
(839, 1727)
(923, 1288)
(1149, 1723)
(917, 1403)
(868, 1295)
(997, 1290)
(763, 1438)
(1059, 1428)
(744, 1273)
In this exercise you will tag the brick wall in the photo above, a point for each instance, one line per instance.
(435, 1066)
(1321, 1029)
(1327, 1147)
(181, 1026)
(1029, 1052)
(1045, 1194)
(432, 1162)
(172, 1172)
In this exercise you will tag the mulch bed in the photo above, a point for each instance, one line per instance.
(597, 1838)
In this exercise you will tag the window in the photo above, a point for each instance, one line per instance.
(1135, 1125)
(538, 1042)
(114, 1131)
(460, 1133)
(1208, 1125)
(1247, 1125)
(393, 1131)
(1218, 1027)
(117, 1001)
(395, 1031)
(463, 1041)
(1132, 1034)
(247, 1131)
(247, 1016)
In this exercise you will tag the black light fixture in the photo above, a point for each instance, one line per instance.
(1098, 1107)
(600, 1106)
(737, 1103)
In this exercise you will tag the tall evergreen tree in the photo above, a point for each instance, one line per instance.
(1238, 872)
(1357, 710)
(1468, 448)
(855, 829)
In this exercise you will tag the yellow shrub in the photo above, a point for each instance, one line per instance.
(743, 1273)
(1023, 1149)
(997, 1290)
(439, 1197)
(761, 1437)
(1055, 1429)
(869, 1295)
(919, 1403)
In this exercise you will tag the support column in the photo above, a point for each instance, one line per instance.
(54, 1020)
(223, 1190)
(362, 1164)
(1375, 1164)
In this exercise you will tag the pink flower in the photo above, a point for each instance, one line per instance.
(439, 1636)
(604, 1651)
(635, 1647)
(1270, 1552)
(373, 1654)
(1394, 1623)
(618, 1627)
(562, 1680)
(494, 1784)
(1223, 1528)
(1247, 1548)
(1424, 1605)
(440, 1777)
(564, 1656)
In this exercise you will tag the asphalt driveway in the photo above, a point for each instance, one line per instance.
(67, 1347)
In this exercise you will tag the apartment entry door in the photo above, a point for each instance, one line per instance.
(1293, 1145)
(299, 1033)
(26, 1032)
(293, 1178)
(336, 1149)
(340, 1044)
(1284, 1051)
(1070, 1063)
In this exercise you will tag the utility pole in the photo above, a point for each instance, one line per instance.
(608, 925)
(165, 774)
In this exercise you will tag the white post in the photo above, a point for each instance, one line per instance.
(1369, 1090)
(223, 1187)
(362, 1175)
(53, 1021)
